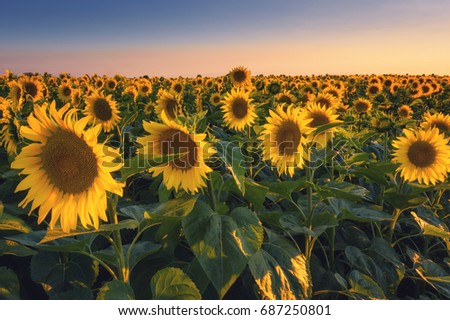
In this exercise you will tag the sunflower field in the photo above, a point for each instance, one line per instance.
(234, 187)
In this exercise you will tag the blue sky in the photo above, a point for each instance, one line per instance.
(167, 37)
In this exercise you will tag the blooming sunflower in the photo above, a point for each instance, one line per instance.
(240, 76)
(15, 94)
(215, 99)
(67, 172)
(145, 88)
(238, 109)
(437, 120)
(65, 92)
(319, 115)
(110, 84)
(286, 97)
(326, 100)
(102, 109)
(177, 87)
(169, 102)
(189, 170)
(284, 137)
(9, 137)
(374, 89)
(362, 105)
(76, 98)
(423, 155)
(32, 88)
(405, 112)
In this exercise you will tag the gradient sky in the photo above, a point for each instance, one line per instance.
(172, 38)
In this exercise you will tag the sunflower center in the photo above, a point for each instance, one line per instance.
(216, 99)
(111, 84)
(422, 154)
(403, 112)
(361, 107)
(177, 87)
(171, 107)
(425, 89)
(69, 162)
(319, 119)
(31, 89)
(441, 125)
(175, 142)
(102, 109)
(239, 76)
(239, 107)
(373, 89)
(288, 138)
(66, 91)
(144, 89)
(285, 99)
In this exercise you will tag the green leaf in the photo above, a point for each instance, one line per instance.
(141, 162)
(58, 273)
(403, 201)
(431, 230)
(255, 193)
(344, 190)
(280, 270)
(357, 158)
(363, 287)
(173, 284)
(13, 248)
(141, 250)
(9, 284)
(231, 155)
(223, 244)
(58, 233)
(116, 290)
(175, 208)
(326, 127)
(347, 210)
(431, 272)
(285, 188)
(372, 174)
(366, 264)
(12, 223)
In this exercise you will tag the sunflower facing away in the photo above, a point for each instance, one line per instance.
(189, 170)
(238, 109)
(67, 171)
(169, 102)
(318, 116)
(102, 109)
(240, 76)
(284, 137)
(423, 155)
(437, 120)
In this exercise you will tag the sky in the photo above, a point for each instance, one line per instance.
(186, 38)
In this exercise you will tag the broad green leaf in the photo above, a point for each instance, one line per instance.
(431, 272)
(371, 173)
(74, 294)
(344, 190)
(326, 127)
(321, 221)
(255, 193)
(195, 271)
(9, 284)
(223, 244)
(364, 263)
(231, 155)
(173, 284)
(285, 188)
(60, 272)
(364, 287)
(403, 201)
(58, 233)
(115, 290)
(14, 248)
(280, 270)
(175, 208)
(383, 248)
(431, 230)
(357, 158)
(141, 250)
(12, 223)
(140, 163)
(347, 210)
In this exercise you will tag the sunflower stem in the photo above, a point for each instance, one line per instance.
(309, 240)
(117, 238)
(212, 196)
(397, 213)
(250, 149)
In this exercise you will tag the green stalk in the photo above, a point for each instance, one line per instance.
(309, 240)
(212, 197)
(117, 239)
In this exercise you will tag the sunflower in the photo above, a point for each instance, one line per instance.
(326, 100)
(75, 98)
(169, 102)
(15, 94)
(405, 112)
(318, 116)
(131, 92)
(437, 120)
(215, 99)
(102, 109)
(284, 138)
(240, 76)
(423, 155)
(362, 105)
(286, 97)
(99, 83)
(238, 109)
(32, 88)
(177, 87)
(110, 84)
(145, 88)
(66, 169)
(274, 87)
(335, 92)
(373, 89)
(5, 114)
(9, 137)
(189, 170)
(65, 92)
